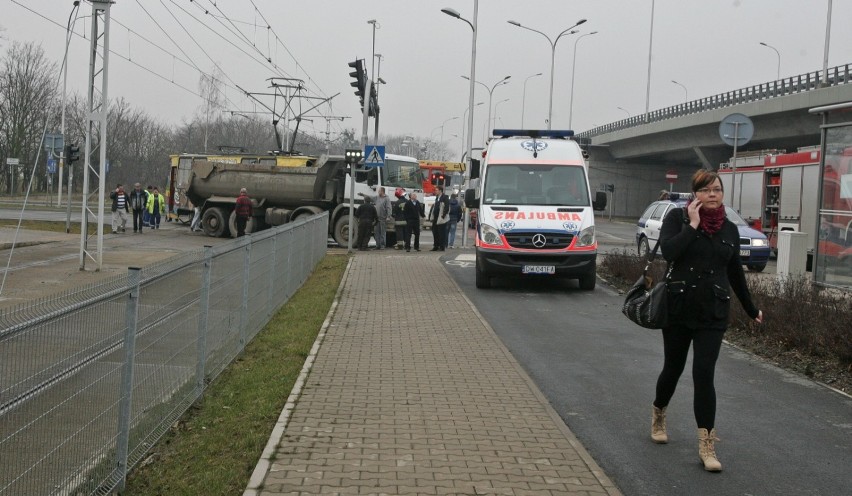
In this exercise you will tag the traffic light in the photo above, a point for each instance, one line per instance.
(353, 155)
(72, 153)
(374, 101)
(360, 83)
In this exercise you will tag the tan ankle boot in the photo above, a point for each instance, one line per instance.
(658, 426)
(706, 450)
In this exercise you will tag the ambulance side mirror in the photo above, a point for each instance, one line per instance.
(470, 199)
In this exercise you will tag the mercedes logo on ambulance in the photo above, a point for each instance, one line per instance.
(533, 145)
(539, 240)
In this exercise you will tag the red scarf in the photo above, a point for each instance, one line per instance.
(711, 218)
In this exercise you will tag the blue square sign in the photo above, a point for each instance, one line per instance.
(374, 156)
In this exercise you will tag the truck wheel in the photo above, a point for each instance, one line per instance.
(587, 281)
(251, 226)
(341, 231)
(214, 224)
(483, 280)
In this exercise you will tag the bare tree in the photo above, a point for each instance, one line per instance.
(26, 93)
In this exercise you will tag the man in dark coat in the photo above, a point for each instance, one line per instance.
(414, 211)
(439, 217)
(367, 217)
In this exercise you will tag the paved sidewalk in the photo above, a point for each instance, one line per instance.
(409, 391)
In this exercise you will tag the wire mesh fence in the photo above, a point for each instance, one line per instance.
(91, 378)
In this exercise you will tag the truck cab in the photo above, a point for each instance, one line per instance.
(535, 215)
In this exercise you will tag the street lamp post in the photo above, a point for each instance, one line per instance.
(685, 92)
(524, 102)
(825, 52)
(442, 128)
(373, 60)
(497, 106)
(379, 81)
(650, 49)
(552, 60)
(777, 53)
(464, 123)
(573, 65)
(625, 111)
(452, 13)
(490, 94)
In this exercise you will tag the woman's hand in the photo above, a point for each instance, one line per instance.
(759, 318)
(692, 211)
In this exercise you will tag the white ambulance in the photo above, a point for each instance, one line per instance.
(535, 215)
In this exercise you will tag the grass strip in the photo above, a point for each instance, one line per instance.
(214, 447)
(49, 225)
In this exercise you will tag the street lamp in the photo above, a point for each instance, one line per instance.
(376, 25)
(455, 14)
(573, 65)
(778, 74)
(524, 102)
(552, 60)
(490, 94)
(685, 92)
(625, 111)
(442, 127)
(464, 123)
(497, 106)
(825, 52)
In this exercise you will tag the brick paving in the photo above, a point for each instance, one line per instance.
(411, 392)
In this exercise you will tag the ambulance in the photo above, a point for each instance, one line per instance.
(535, 209)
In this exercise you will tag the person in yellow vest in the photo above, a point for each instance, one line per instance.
(156, 207)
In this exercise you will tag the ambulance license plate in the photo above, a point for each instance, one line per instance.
(539, 269)
(745, 253)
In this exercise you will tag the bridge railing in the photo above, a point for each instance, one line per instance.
(841, 74)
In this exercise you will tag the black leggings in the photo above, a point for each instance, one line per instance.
(705, 351)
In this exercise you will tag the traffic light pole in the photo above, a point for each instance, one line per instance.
(352, 166)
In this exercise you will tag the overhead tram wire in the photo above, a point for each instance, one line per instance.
(112, 52)
(268, 57)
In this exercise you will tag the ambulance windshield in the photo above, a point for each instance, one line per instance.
(519, 184)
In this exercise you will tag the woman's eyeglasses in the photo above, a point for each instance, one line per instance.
(715, 191)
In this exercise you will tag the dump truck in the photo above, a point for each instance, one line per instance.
(283, 194)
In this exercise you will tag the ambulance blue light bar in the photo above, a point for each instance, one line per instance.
(533, 133)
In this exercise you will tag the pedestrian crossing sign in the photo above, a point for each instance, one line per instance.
(375, 156)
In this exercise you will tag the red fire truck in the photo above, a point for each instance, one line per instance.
(777, 191)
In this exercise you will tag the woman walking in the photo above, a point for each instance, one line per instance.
(702, 248)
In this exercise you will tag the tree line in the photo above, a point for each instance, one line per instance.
(138, 144)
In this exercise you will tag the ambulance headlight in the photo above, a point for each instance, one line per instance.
(586, 237)
(489, 235)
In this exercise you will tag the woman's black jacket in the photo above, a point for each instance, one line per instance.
(703, 270)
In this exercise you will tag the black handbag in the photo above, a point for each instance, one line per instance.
(646, 303)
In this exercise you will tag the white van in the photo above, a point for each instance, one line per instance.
(535, 215)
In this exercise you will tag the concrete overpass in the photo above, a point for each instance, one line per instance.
(634, 154)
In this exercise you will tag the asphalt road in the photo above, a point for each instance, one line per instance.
(780, 433)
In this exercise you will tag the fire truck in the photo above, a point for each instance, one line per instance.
(776, 191)
(447, 174)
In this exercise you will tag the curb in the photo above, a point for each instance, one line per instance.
(258, 476)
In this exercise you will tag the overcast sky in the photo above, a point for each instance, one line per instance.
(709, 46)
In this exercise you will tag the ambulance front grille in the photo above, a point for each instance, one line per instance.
(539, 241)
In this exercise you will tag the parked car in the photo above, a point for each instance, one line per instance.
(754, 247)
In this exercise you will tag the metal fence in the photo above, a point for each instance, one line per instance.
(839, 75)
(90, 379)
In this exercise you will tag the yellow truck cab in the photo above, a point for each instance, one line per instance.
(535, 215)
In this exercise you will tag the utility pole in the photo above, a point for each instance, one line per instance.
(96, 123)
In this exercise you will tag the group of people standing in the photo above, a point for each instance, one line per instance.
(146, 205)
(406, 214)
